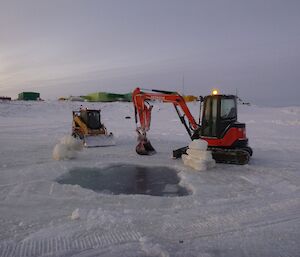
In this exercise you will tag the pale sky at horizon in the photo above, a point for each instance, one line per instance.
(70, 47)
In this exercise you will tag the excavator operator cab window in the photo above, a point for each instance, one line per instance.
(228, 108)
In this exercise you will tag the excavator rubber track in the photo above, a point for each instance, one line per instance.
(230, 156)
(221, 155)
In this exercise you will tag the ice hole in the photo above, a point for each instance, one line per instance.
(127, 179)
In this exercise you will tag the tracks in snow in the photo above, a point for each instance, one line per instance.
(236, 221)
(59, 246)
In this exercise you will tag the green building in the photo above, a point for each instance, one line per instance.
(108, 97)
(29, 96)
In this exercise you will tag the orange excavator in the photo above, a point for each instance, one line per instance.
(217, 125)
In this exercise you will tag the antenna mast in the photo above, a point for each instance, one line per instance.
(183, 84)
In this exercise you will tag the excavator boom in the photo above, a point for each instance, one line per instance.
(143, 110)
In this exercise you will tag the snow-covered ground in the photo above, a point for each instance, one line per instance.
(251, 210)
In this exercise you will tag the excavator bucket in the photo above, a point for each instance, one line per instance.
(144, 147)
(99, 140)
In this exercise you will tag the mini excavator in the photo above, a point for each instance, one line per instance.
(87, 126)
(218, 125)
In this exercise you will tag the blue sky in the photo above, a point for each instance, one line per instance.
(62, 48)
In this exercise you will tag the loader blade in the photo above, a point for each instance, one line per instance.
(144, 147)
(99, 141)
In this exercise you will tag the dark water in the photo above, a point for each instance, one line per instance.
(127, 179)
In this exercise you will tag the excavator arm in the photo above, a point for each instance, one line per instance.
(143, 110)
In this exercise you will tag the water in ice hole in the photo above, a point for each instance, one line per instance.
(127, 179)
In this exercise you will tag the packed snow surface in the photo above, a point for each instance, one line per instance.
(250, 210)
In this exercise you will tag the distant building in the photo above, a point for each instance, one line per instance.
(5, 98)
(62, 98)
(76, 99)
(29, 96)
(108, 97)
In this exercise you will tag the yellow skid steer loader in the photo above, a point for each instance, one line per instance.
(87, 126)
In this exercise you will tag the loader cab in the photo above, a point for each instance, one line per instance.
(91, 118)
(219, 113)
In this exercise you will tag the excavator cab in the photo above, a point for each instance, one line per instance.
(219, 113)
(226, 136)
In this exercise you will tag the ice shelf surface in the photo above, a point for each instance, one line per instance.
(233, 210)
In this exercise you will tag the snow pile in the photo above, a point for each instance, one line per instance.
(66, 148)
(197, 156)
(75, 215)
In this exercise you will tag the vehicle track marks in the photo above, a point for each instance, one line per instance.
(61, 245)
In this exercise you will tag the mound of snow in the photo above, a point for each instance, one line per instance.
(198, 157)
(75, 214)
(61, 152)
(198, 144)
(66, 149)
(72, 143)
(199, 154)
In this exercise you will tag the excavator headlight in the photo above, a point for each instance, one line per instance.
(215, 92)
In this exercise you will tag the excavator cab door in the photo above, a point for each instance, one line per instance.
(209, 118)
(219, 112)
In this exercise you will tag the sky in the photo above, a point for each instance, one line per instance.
(71, 47)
